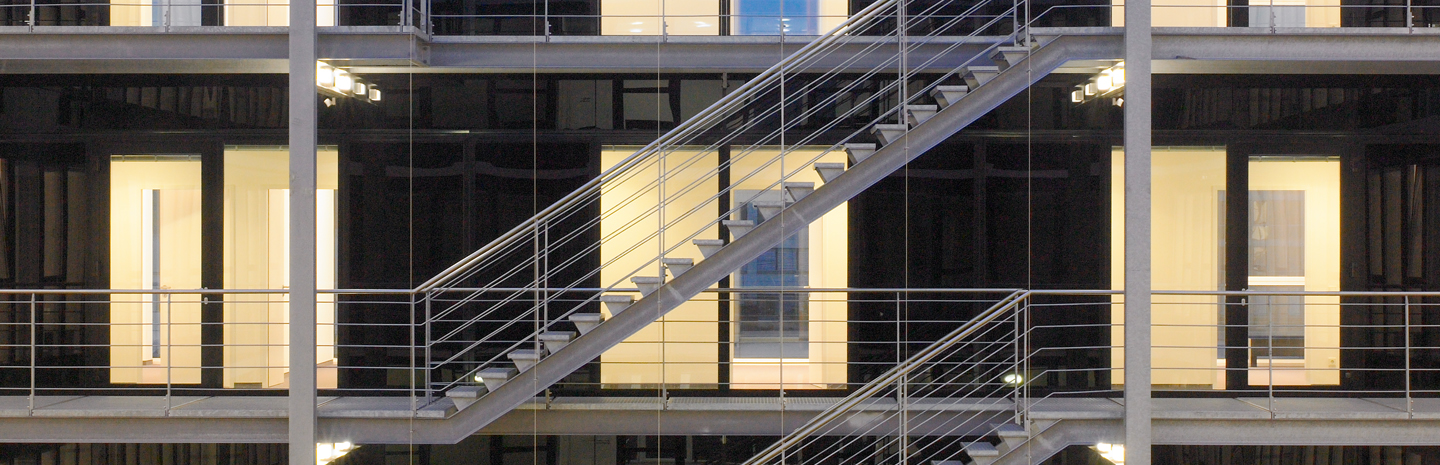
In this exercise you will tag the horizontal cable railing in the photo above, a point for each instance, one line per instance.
(1068, 339)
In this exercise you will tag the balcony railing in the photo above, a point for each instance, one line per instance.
(1063, 343)
(584, 19)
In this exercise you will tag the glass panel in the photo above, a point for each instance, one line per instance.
(682, 349)
(1213, 13)
(790, 340)
(257, 229)
(1295, 245)
(644, 17)
(1186, 187)
(155, 244)
(773, 324)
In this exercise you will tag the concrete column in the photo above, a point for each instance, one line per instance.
(302, 231)
(1137, 232)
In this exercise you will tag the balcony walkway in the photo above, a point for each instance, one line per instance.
(373, 420)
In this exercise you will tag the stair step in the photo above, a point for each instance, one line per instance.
(738, 228)
(768, 208)
(463, 396)
(889, 133)
(977, 76)
(859, 152)
(829, 171)
(1005, 57)
(918, 114)
(708, 247)
(948, 95)
(677, 266)
(495, 377)
(1011, 437)
(648, 284)
(556, 340)
(526, 358)
(798, 190)
(982, 453)
(584, 322)
(617, 303)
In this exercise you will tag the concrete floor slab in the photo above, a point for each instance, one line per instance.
(115, 406)
(1311, 408)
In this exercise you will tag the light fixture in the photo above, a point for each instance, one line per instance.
(324, 75)
(1117, 74)
(1077, 96)
(1013, 379)
(1103, 83)
(635, 30)
(335, 83)
(1115, 453)
(344, 82)
(326, 452)
(1089, 89)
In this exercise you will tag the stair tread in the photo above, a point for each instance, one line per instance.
(955, 88)
(526, 353)
(498, 372)
(467, 391)
(983, 68)
(678, 261)
(617, 299)
(798, 184)
(738, 222)
(590, 317)
(1011, 429)
(922, 107)
(709, 242)
(982, 449)
(830, 165)
(557, 336)
(647, 279)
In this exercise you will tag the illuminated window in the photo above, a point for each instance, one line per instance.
(773, 324)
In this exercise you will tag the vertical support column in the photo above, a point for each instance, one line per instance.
(303, 122)
(1137, 232)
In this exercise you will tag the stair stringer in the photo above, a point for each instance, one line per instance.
(767, 235)
(1050, 440)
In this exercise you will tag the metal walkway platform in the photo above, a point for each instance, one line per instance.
(375, 420)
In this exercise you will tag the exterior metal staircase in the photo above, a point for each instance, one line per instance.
(485, 370)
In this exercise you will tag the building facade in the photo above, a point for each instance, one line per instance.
(613, 231)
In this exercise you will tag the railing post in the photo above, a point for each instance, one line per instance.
(1270, 358)
(1018, 364)
(1409, 399)
(32, 352)
(169, 347)
(1272, 16)
(1409, 22)
(429, 296)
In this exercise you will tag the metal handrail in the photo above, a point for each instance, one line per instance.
(531, 229)
(843, 407)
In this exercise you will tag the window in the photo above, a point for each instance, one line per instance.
(773, 324)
